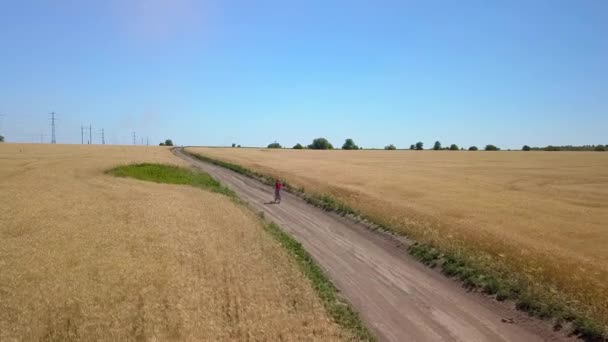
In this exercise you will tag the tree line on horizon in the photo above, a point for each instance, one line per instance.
(598, 148)
(349, 144)
(318, 144)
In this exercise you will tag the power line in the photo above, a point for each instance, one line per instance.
(53, 140)
(90, 134)
(134, 139)
(82, 134)
(103, 137)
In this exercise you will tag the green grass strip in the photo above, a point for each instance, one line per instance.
(335, 305)
(160, 173)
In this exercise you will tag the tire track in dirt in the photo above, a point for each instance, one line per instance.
(398, 298)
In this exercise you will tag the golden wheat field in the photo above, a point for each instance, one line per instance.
(88, 256)
(540, 214)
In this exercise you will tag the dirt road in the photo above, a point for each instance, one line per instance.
(398, 298)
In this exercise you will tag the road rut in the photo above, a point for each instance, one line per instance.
(398, 298)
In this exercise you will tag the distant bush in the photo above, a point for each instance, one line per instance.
(525, 148)
(349, 144)
(390, 147)
(1, 138)
(298, 146)
(454, 147)
(600, 148)
(412, 147)
(568, 148)
(473, 148)
(168, 142)
(274, 145)
(321, 144)
(437, 146)
(239, 146)
(233, 145)
(419, 146)
(491, 148)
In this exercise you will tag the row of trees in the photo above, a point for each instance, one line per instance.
(319, 144)
(598, 148)
(452, 147)
(437, 147)
(349, 144)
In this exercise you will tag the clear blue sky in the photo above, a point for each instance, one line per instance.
(251, 72)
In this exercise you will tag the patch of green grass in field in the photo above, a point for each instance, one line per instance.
(426, 255)
(160, 173)
(336, 306)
